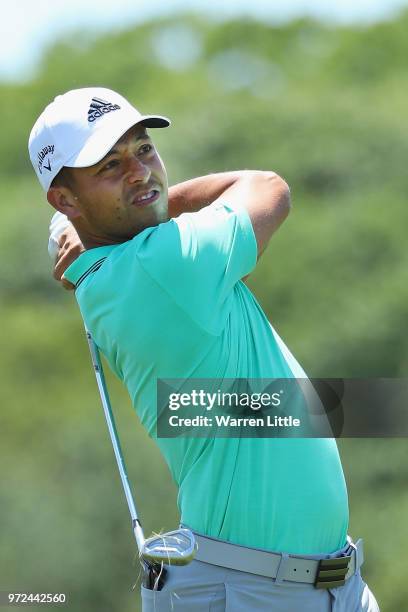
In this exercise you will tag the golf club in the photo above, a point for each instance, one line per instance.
(173, 548)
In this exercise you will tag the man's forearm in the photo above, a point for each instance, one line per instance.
(196, 193)
(264, 195)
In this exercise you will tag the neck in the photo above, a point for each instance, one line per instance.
(92, 240)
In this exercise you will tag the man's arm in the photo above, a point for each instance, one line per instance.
(192, 195)
(264, 195)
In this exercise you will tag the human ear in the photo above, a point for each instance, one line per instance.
(62, 199)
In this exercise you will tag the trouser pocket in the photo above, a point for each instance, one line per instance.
(184, 599)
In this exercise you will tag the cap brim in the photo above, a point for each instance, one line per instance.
(102, 140)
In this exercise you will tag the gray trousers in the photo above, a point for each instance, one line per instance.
(202, 587)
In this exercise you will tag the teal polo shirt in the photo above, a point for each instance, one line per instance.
(170, 304)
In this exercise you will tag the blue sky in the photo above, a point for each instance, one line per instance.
(27, 26)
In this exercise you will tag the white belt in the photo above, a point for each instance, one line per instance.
(322, 573)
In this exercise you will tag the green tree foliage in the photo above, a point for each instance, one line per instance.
(324, 107)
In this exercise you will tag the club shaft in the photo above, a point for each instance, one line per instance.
(110, 421)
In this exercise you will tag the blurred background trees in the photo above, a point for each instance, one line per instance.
(323, 106)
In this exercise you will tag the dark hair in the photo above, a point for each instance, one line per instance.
(64, 178)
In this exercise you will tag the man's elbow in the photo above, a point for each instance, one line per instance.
(279, 194)
(285, 196)
(269, 205)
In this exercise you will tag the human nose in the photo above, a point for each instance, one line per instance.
(137, 171)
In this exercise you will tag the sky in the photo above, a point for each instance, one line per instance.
(28, 26)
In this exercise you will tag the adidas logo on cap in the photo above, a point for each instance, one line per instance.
(100, 107)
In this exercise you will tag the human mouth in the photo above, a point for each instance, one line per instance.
(143, 199)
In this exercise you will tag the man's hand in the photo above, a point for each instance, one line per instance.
(70, 247)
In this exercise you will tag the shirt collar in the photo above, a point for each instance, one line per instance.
(88, 259)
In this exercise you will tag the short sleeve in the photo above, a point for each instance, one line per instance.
(198, 258)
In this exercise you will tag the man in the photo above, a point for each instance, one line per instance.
(160, 288)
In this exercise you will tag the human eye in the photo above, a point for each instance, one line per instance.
(146, 148)
(112, 163)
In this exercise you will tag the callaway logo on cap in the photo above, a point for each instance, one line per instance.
(79, 128)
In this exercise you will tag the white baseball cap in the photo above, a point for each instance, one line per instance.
(79, 128)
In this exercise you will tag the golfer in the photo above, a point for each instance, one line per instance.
(159, 286)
